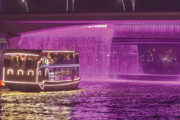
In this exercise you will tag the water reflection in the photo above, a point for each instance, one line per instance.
(95, 100)
(44, 105)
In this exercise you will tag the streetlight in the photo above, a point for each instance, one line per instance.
(122, 3)
(25, 3)
(67, 5)
(72, 5)
(133, 4)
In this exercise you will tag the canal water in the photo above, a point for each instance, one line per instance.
(95, 101)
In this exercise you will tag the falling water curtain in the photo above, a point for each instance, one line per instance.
(92, 42)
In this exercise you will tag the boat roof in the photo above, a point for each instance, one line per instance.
(54, 51)
(25, 51)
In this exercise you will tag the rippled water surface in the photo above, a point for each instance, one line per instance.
(95, 101)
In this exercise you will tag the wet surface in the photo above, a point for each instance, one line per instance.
(95, 100)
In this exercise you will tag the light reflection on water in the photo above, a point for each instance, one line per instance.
(95, 100)
(43, 105)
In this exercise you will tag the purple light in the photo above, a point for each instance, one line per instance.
(93, 43)
(98, 55)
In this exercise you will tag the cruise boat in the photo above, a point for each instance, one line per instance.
(41, 70)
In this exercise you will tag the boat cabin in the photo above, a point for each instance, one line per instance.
(42, 68)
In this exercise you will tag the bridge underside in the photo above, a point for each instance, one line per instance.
(18, 23)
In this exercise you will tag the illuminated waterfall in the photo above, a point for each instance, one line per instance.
(92, 42)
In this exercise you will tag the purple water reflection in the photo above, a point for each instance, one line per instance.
(95, 101)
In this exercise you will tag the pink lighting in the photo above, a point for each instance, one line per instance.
(89, 41)
(99, 54)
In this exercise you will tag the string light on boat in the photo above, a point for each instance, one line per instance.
(145, 24)
(97, 26)
(57, 51)
(10, 71)
(20, 72)
(30, 72)
(24, 54)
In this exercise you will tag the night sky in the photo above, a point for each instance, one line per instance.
(40, 6)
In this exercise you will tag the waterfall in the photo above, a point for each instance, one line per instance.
(100, 53)
(92, 42)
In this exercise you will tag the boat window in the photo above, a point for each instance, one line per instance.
(20, 72)
(76, 57)
(8, 61)
(30, 73)
(58, 74)
(31, 61)
(59, 58)
(60, 65)
(20, 61)
(10, 72)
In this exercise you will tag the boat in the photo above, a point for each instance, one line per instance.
(41, 70)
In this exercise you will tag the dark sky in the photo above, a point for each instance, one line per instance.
(39, 6)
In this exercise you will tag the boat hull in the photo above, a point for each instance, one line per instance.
(60, 87)
(23, 87)
(48, 86)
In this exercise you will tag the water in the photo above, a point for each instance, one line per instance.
(95, 101)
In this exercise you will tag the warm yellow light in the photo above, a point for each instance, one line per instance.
(10, 71)
(1, 83)
(20, 72)
(30, 72)
(21, 54)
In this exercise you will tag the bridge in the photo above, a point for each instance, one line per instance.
(18, 23)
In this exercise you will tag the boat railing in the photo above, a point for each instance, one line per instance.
(60, 66)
